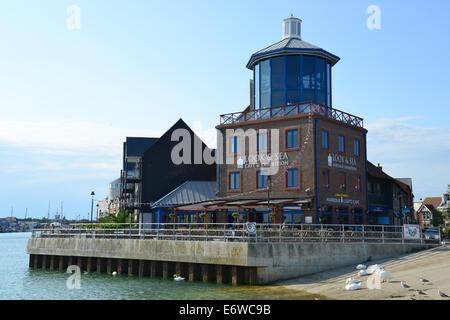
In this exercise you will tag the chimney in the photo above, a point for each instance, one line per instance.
(380, 167)
(291, 28)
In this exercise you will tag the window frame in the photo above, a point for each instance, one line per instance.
(286, 148)
(344, 175)
(339, 144)
(326, 174)
(328, 139)
(286, 173)
(256, 181)
(229, 180)
(359, 147)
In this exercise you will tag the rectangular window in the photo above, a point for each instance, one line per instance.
(265, 83)
(291, 139)
(292, 178)
(261, 179)
(342, 181)
(356, 147)
(234, 181)
(293, 80)
(235, 145)
(324, 139)
(341, 144)
(256, 87)
(262, 142)
(308, 78)
(378, 190)
(326, 178)
(358, 183)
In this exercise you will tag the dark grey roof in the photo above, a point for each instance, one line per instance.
(291, 46)
(136, 146)
(189, 192)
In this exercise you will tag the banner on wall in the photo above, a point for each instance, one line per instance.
(411, 231)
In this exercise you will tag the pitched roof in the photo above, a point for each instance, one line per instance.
(377, 172)
(189, 192)
(291, 46)
(433, 201)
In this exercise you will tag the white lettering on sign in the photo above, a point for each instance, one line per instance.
(264, 160)
(342, 162)
(344, 201)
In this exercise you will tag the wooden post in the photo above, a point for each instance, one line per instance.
(69, 261)
(31, 260)
(89, 264)
(52, 262)
(119, 266)
(80, 262)
(219, 278)
(178, 268)
(191, 270)
(165, 270)
(44, 262)
(130, 267)
(153, 269)
(204, 272)
(108, 266)
(252, 276)
(234, 275)
(61, 263)
(99, 265)
(141, 268)
(36, 261)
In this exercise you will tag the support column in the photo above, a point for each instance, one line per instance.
(204, 272)
(141, 268)
(99, 265)
(36, 261)
(80, 263)
(252, 276)
(52, 262)
(61, 263)
(165, 270)
(44, 262)
(69, 261)
(191, 270)
(31, 261)
(109, 266)
(178, 268)
(119, 266)
(153, 269)
(219, 279)
(234, 275)
(89, 264)
(130, 267)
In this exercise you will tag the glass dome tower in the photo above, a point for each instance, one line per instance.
(291, 71)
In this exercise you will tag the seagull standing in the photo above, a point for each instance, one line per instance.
(177, 278)
(114, 273)
(443, 295)
(404, 285)
(420, 292)
(423, 280)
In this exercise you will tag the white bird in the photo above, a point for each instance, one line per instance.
(371, 269)
(85, 272)
(177, 278)
(361, 267)
(383, 275)
(443, 295)
(420, 292)
(352, 280)
(404, 285)
(363, 273)
(114, 273)
(353, 286)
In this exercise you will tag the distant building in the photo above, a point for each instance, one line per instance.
(114, 189)
(391, 201)
(426, 207)
(103, 208)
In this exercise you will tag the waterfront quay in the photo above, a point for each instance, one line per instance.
(238, 254)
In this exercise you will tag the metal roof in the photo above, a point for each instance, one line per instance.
(188, 192)
(291, 46)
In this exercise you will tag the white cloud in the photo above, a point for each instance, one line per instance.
(408, 150)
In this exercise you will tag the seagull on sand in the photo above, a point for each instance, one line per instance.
(114, 273)
(443, 295)
(404, 285)
(420, 292)
(177, 278)
(423, 280)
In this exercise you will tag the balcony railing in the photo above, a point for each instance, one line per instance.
(291, 110)
(238, 232)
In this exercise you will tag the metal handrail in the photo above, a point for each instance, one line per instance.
(290, 110)
(263, 232)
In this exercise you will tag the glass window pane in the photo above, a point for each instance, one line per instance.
(324, 139)
(293, 79)
(320, 81)
(256, 87)
(265, 83)
(328, 85)
(308, 78)
(277, 81)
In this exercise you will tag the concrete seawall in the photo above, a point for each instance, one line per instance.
(234, 262)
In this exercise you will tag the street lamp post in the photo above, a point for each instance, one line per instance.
(92, 206)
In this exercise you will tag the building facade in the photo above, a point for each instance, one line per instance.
(291, 143)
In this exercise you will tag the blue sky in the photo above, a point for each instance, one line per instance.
(69, 98)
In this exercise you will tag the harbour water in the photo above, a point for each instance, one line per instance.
(18, 281)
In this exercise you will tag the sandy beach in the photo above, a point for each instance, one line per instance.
(432, 264)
